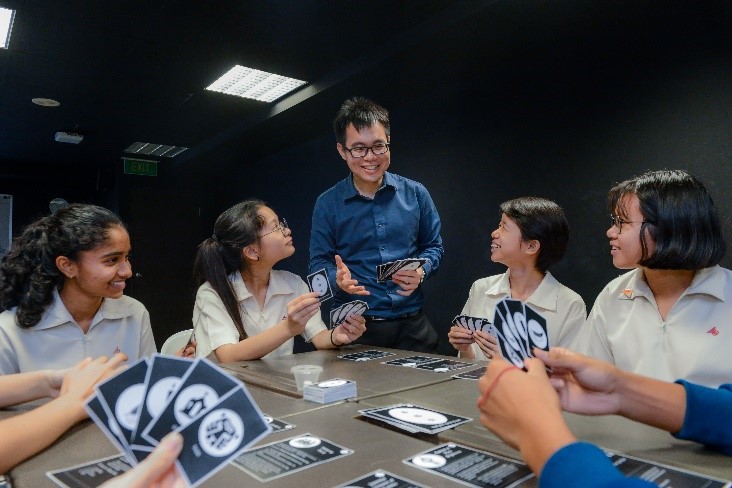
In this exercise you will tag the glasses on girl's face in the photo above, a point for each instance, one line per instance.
(618, 222)
(281, 226)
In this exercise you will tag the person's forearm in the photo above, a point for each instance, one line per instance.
(24, 387)
(653, 402)
(255, 347)
(24, 435)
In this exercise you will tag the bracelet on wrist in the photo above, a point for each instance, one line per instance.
(331, 338)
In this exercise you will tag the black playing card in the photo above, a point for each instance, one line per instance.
(318, 282)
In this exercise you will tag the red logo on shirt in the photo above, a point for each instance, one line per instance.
(714, 331)
(116, 350)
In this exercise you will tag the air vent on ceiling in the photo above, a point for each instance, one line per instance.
(160, 150)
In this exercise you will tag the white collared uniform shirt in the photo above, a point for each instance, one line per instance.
(120, 325)
(213, 327)
(693, 343)
(563, 309)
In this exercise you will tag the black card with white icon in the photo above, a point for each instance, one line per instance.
(514, 324)
(108, 425)
(366, 355)
(162, 380)
(536, 325)
(277, 425)
(289, 456)
(318, 282)
(90, 475)
(411, 361)
(474, 375)
(381, 479)
(219, 434)
(340, 314)
(122, 395)
(386, 271)
(443, 365)
(415, 418)
(201, 387)
(470, 466)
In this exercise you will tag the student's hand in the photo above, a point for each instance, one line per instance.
(79, 381)
(187, 351)
(461, 339)
(585, 385)
(523, 409)
(488, 344)
(54, 379)
(157, 470)
(409, 280)
(350, 330)
(300, 310)
(344, 280)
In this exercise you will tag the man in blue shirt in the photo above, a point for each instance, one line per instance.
(373, 217)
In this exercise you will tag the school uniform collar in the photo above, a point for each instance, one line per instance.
(544, 297)
(707, 281)
(57, 314)
(278, 285)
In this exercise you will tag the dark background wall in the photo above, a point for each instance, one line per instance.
(558, 104)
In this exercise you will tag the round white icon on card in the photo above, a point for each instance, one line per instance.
(192, 401)
(429, 461)
(159, 393)
(320, 284)
(221, 432)
(417, 416)
(127, 408)
(304, 442)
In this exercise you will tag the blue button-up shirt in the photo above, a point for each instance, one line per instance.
(400, 222)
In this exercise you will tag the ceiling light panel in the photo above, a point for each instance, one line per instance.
(252, 83)
(6, 25)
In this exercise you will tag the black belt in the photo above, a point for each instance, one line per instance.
(392, 319)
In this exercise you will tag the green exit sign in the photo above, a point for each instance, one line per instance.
(140, 167)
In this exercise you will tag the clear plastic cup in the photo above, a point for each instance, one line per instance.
(306, 374)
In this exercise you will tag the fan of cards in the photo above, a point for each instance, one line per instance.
(340, 314)
(214, 413)
(518, 328)
(385, 271)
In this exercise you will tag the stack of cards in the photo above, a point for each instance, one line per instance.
(213, 412)
(415, 419)
(385, 271)
(340, 314)
(329, 391)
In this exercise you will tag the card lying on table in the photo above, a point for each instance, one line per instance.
(212, 410)
(414, 418)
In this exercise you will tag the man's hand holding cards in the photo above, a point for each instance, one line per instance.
(407, 273)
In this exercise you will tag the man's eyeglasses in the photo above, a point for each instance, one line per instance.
(618, 222)
(281, 226)
(361, 151)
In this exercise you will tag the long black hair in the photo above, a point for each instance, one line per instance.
(221, 254)
(28, 272)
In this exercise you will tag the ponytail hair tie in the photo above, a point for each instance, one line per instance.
(216, 239)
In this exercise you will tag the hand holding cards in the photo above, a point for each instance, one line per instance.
(213, 412)
(386, 271)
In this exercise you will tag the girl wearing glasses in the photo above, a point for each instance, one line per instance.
(669, 317)
(245, 309)
(532, 235)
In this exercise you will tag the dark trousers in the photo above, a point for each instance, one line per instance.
(410, 334)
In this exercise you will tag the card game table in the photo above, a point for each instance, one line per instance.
(372, 377)
(611, 432)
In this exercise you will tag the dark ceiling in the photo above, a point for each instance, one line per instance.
(137, 70)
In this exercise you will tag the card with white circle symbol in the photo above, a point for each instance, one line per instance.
(340, 314)
(414, 418)
(461, 463)
(381, 478)
(318, 282)
(122, 397)
(289, 456)
(220, 434)
(200, 388)
(162, 381)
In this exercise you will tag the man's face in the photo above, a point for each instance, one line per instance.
(369, 170)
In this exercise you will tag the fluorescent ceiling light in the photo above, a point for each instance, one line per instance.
(6, 24)
(252, 83)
